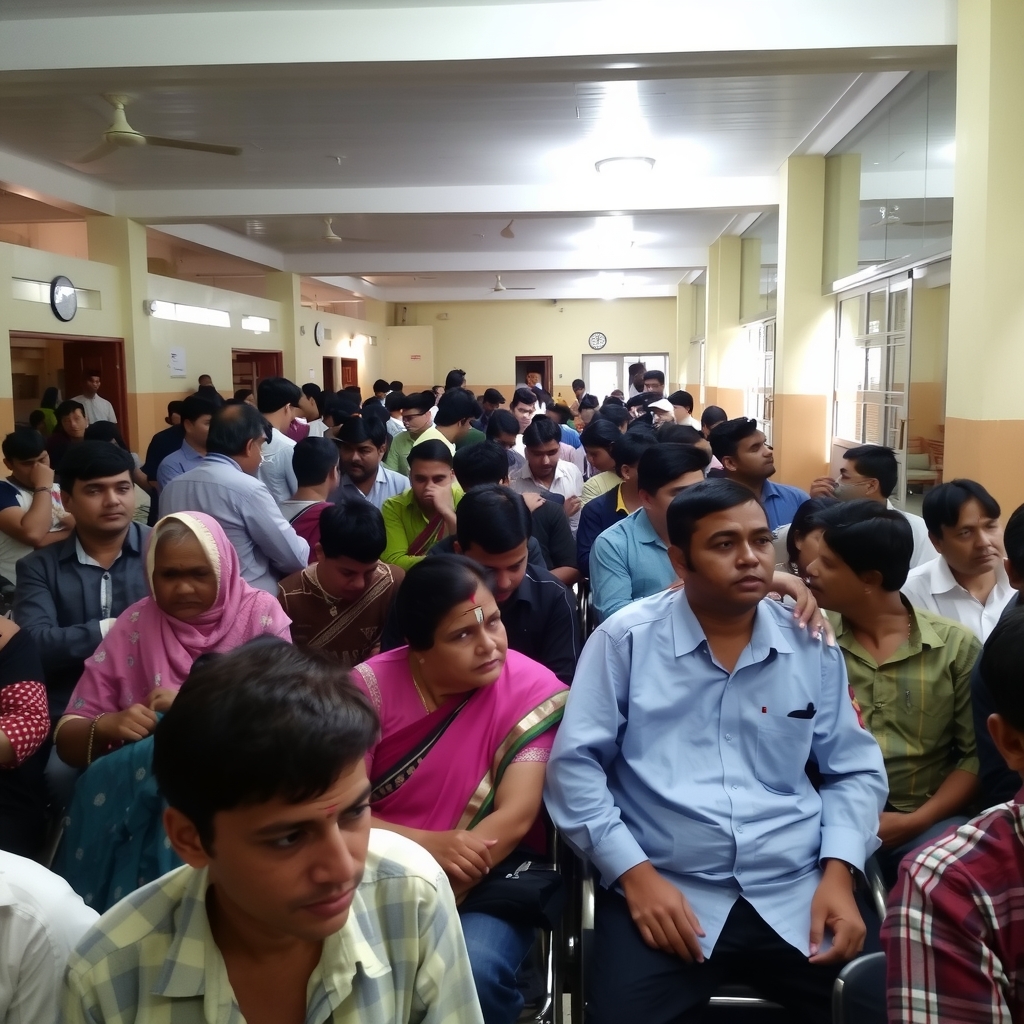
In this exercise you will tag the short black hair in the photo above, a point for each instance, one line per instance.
(523, 396)
(494, 518)
(1002, 668)
(357, 429)
(806, 519)
(477, 464)
(655, 375)
(430, 590)
(869, 537)
(67, 407)
(195, 406)
(725, 439)
(615, 413)
(455, 406)
(340, 406)
(241, 394)
(454, 379)
(311, 389)
(91, 373)
(353, 529)
(93, 460)
(706, 498)
(275, 393)
(104, 430)
(541, 431)
(1013, 540)
(644, 398)
(601, 433)
(578, 383)
(563, 412)
(421, 401)
(233, 427)
(663, 463)
(494, 396)
(635, 368)
(36, 418)
(683, 399)
(630, 448)
(431, 450)
(394, 401)
(205, 376)
(589, 402)
(943, 504)
(875, 462)
(396, 385)
(502, 422)
(267, 720)
(313, 458)
(712, 416)
(380, 385)
(174, 407)
(679, 433)
(24, 444)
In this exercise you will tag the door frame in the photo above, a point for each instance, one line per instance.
(549, 368)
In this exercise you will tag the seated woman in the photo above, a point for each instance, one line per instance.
(466, 729)
(199, 605)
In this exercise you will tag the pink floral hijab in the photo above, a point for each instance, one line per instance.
(147, 648)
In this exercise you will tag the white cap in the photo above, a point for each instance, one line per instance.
(663, 404)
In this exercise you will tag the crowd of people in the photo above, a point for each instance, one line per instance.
(300, 731)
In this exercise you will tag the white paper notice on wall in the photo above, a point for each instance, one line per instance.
(176, 362)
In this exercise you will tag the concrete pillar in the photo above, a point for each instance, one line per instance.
(984, 406)
(750, 278)
(724, 363)
(286, 289)
(683, 373)
(842, 218)
(805, 331)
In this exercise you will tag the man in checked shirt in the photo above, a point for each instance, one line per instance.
(954, 934)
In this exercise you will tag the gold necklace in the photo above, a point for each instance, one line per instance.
(423, 700)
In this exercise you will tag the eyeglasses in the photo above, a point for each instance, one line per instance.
(410, 416)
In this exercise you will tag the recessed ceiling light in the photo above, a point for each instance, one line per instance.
(625, 166)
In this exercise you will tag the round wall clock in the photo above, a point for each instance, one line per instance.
(597, 341)
(318, 333)
(63, 299)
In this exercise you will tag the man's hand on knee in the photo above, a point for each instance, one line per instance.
(835, 908)
(661, 913)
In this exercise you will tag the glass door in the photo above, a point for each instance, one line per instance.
(607, 373)
(760, 392)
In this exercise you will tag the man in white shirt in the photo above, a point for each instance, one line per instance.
(871, 471)
(278, 400)
(682, 407)
(967, 582)
(546, 471)
(42, 919)
(96, 408)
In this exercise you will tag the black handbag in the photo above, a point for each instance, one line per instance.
(521, 890)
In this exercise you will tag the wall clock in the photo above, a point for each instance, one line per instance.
(318, 333)
(63, 299)
(597, 341)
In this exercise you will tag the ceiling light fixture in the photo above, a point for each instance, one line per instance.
(625, 166)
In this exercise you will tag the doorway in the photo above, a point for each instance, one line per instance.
(329, 382)
(249, 368)
(535, 364)
(350, 373)
(604, 374)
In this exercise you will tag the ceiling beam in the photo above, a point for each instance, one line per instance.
(57, 186)
(220, 239)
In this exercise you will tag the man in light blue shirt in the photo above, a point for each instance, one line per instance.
(630, 559)
(679, 772)
(226, 487)
(364, 441)
(195, 420)
(277, 398)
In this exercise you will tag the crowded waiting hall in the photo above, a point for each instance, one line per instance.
(506, 515)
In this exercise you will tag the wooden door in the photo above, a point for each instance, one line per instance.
(249, 368)
(349, 373)
(107, 357)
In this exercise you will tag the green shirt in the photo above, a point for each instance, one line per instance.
(473, 437)
(399, 958)
(404, 521)
(401, 444)
(917, 704)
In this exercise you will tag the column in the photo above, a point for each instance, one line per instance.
(684, 373)
(299, 351)
(984, 401)
(723, 365)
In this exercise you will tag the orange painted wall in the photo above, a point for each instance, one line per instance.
(799, 428)
(984, 450)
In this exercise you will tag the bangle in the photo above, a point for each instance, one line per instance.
(92, 737)
(39, 490)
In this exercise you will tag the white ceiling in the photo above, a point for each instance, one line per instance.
(425, 132)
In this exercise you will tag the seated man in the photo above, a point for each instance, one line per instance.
(503, 429)
(492, 399)
(739, 445)
(456, 410)
(69, 594)
(682, 407)
(967, 582)
(953, 938)
(31, 513)
(163, 443)
(340, 603)
(909, 670)
(393, 404)
(71, 426)
(487, 464)
(562, 415)
(620, 501)
(196, 413)
(289, 907)
(364, 477)
(225, 486)
(416, 415)
(679, 772)
(525, 409)
(315, 465)
(416, 520)
(630, 559)
(871, 471)
(545, 470)
(278, 400)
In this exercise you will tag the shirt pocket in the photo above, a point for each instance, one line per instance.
(783, 747)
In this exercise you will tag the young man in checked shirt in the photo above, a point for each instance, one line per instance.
(290, 909)
(954, 934)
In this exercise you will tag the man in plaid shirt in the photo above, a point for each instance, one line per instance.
(954, 933)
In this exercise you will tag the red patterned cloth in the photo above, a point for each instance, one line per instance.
(954, 933)
(24, 719)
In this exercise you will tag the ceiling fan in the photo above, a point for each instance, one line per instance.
(888, 215)
(330, 235)
(121, 135)
(506, 231)
(499, 287)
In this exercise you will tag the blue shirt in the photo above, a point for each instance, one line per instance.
(598, 514)
(628, 561)
(181, 461)
(387, 484)
(780, 502)
(665, 756)
(268, 548)
(570, 437)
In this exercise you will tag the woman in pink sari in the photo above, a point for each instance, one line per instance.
(199, 605)
(466, 729)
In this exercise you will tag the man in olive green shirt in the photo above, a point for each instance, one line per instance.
(909, 670)
(416, 417)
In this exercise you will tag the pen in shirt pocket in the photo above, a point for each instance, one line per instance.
(908, 699)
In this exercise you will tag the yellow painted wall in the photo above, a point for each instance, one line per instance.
(927, 399)
(408, 355)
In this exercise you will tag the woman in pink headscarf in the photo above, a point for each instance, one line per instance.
(199, 605)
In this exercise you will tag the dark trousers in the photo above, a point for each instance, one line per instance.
(629, 981)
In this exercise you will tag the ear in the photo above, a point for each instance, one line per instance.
(1016, 580)
(936, 543)
(680, 563)
(1008, 740)
(184, 839)
(318, 552)
(8, 464)
(729, 464)
(872, 578)
(872, 490)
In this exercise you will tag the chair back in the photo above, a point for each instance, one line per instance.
(859, 993)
